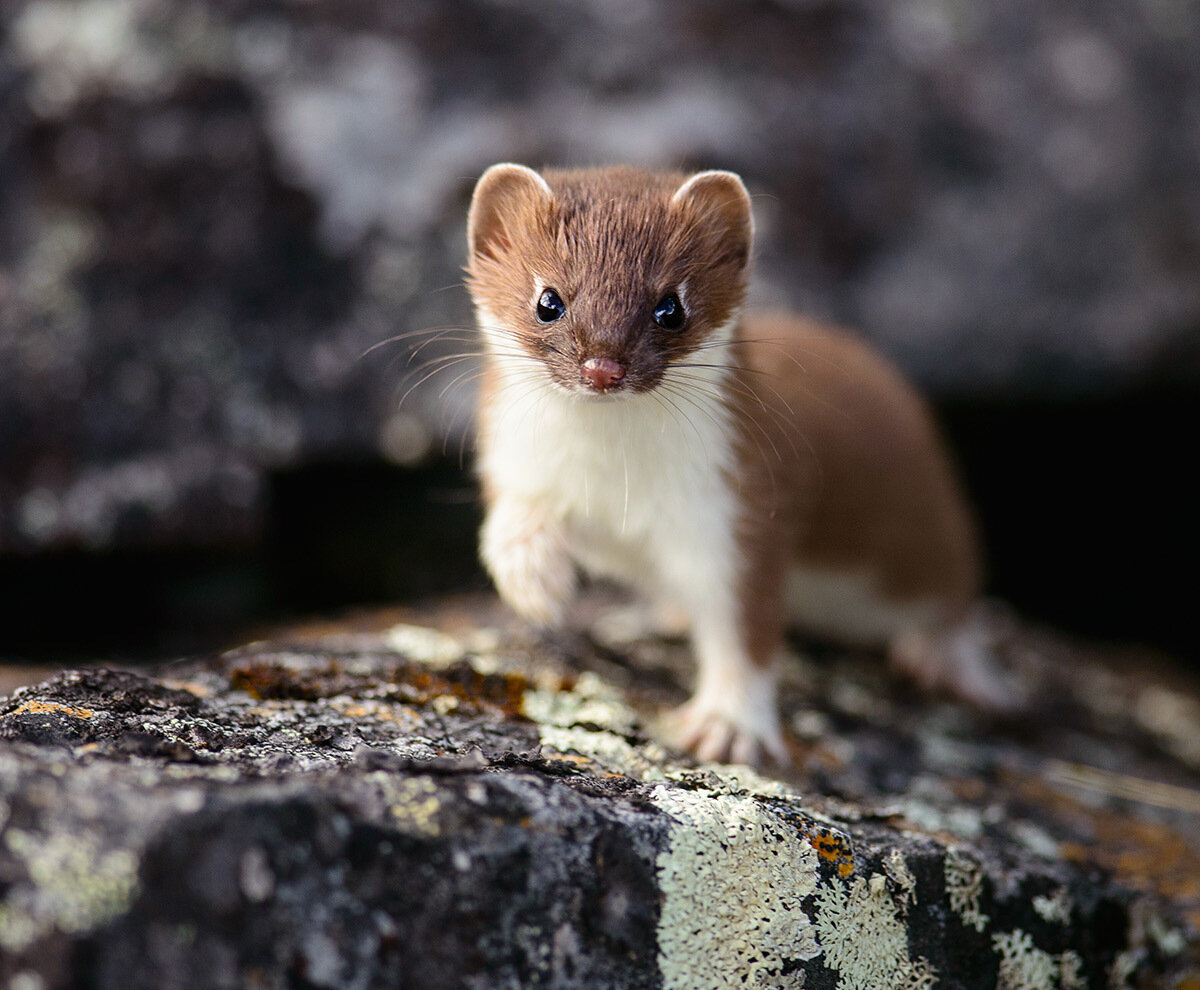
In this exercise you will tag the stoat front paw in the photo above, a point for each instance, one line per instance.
(526, 556)
(713, 733)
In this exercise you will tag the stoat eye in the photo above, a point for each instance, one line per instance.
(669, 314)
(550, 306)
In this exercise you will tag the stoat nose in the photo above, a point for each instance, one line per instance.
(600, 373)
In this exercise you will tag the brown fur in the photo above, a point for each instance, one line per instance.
(841, 467)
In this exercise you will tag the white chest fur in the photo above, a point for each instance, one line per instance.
(640, 482)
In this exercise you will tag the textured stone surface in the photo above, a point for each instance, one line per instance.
(451, 804)
(211, 211)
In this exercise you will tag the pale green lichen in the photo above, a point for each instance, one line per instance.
(1120, 976)
(74, 887)
(735, 778)
(898, 872)
(608, 749)
(864, 939)
(1168, 939)
(1055, 908)
(415, 804)
(963, 822)
(18, 928)
(1023, 966)
(591, 701)
(591, 719)
(424, 645)
(964, 885)
(922, 976)
(1036, 839)
(1071, 971)
(733, 876)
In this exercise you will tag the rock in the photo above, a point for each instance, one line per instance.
(212, 213)
(451, 804)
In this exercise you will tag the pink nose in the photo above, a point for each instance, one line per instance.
(601, 373)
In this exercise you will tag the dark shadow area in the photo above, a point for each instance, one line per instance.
(1088, 507)
(74, 607)
(338, 536)
(347, 535)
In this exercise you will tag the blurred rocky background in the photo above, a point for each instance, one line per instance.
(215, 215)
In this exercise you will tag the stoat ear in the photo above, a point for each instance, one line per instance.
(720, 198)
(500, 193)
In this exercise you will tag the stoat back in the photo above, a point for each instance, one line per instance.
(876, 503)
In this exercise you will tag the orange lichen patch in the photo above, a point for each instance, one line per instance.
(191, 687)
(421, 685)
(49, 707)
(968, 789)
(582, 761)
(833, 847)
(263, 681)
(395, 679)
(383, 711)
(358, 711)
(1145, 855)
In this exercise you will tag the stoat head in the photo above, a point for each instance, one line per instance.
(608, 277)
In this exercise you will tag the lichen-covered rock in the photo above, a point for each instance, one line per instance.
(211, 212)
(450, 804)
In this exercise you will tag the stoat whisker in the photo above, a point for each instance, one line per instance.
(754, 434)
(665, 392)
(788, 352)
(428, 369)
(741, 369)
(443, 338)
(408, 358)
(531, 380)
(435, 333)
(460, 284)
(744, 368)
(784, 348)
(691, 393)
(430, 372)
(443, 358)
(764, 376)
(780, 420)
(462, 378)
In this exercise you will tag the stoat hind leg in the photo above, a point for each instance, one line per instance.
(958, 659)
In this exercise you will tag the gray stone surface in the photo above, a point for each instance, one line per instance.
(210, 212)
(432, 799)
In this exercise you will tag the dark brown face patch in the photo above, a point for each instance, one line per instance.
(612, 243)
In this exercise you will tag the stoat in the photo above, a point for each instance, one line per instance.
(749, 470)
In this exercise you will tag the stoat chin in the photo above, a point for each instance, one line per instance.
(743, 470)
